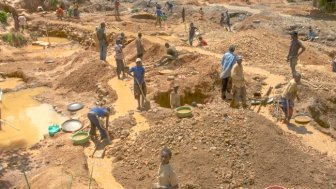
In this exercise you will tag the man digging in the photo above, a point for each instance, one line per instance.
(140, 88)
(94, 115)
(288, 97)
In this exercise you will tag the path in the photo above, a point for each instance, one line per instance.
(125, 104)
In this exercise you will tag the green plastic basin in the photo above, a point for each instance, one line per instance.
(53, 129)
(184, 111)
(81, 137)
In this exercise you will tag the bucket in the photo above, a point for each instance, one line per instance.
(53, 129)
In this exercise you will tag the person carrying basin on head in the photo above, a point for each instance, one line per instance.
(103, 43)
(140, 89)
(166, 176)
(238, 84)
(94, 115)
(227, 63)
(294, 53)
(119, 57)
(288, 96)
(170, 56)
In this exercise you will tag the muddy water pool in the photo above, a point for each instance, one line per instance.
(25, 119)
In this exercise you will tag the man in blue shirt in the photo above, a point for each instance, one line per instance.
(158, 16)
(94, 115)
(140, 88)
(228, 60)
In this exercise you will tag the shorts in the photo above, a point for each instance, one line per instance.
(137, 91)
(284, 102)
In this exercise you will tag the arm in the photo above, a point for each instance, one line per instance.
(302, 50)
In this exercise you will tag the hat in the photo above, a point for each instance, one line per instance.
(239, 58)
(138, 60)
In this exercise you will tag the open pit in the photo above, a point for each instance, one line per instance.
(218, 147)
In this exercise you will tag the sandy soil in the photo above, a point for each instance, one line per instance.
(218, 147)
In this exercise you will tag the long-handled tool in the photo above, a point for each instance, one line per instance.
(9, 124)
(146, 104)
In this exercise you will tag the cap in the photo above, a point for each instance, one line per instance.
(138, 60)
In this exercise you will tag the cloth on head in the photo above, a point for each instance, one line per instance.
(237, 76)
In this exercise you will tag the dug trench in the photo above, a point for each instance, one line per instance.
(217, 147)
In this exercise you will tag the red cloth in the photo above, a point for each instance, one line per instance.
(116, 3)
(204, 43)
(60, 11)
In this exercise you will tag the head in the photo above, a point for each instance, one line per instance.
(294, 34)
(102, 25)
(166, 155)
(175, 88)
(232, 48)
(201, 8)
(122, 34)
(108, 109)
(239, 60)
(139, 35)
(191, 24)
(222, 14)
(138, 62)
(310, 28)
(297, 77)
(167, 45)
(200, 38)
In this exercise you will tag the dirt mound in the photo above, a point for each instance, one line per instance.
(220, 148)
(86, 75)
(144, 16)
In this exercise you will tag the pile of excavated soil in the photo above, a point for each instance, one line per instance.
(87, 74)
(153, 51)
(221, 148)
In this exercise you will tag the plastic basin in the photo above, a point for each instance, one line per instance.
(302, 119)
(184, 111)
(81, 137)
(275, 187)
(53, 129)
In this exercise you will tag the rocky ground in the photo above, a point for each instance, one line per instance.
(218, 147)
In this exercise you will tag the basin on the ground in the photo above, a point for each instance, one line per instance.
(32, 119)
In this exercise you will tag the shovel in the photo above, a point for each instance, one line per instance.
(146, 104)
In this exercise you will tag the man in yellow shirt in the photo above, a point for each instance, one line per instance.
(288, 97)
(238, 84)
(166, 176)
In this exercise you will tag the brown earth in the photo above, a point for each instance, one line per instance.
(218, 147)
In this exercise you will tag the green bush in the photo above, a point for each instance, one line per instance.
(3, 17)
(53, 3)
(14, 39)
(327, 6)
